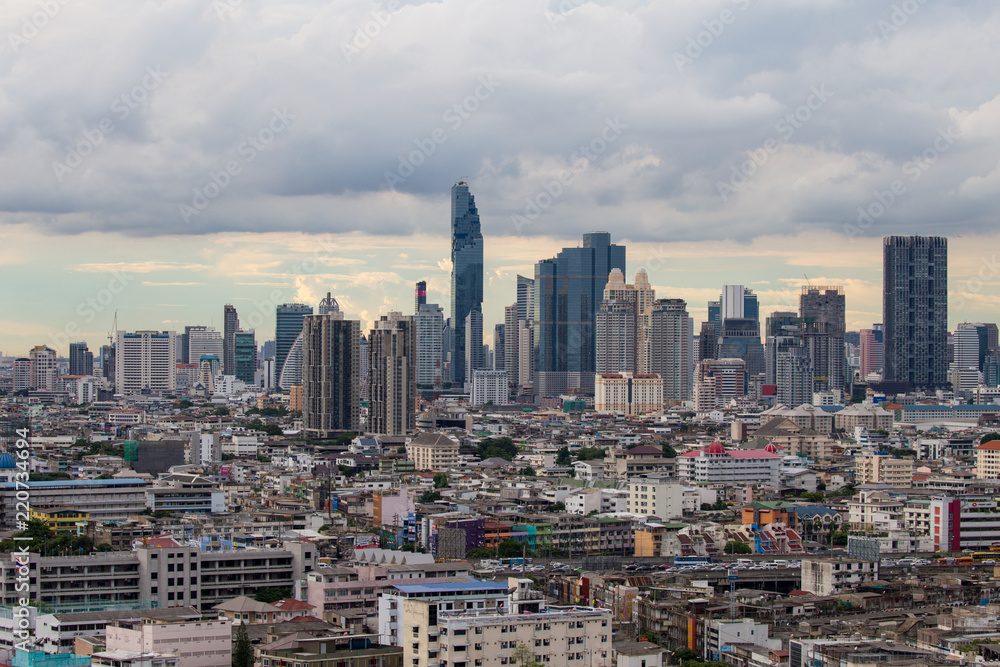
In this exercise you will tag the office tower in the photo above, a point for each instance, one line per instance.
(525, 298)
(267, 350)
(145, 361)
(777, 321)
(783, 334)
(430, 362)
(81, 359)
(108, 365)
(794, 376)
(708, 341)
(991, 336)
(245, 356)
(392, 370)
(204, 341)
(740, 339)
(466, 277)
(363, 363)
(209, 367)
(44, 368)
(419, 296)
(715, 315)
(568, 289)
(22, 374)
(915, 310)
(991, 370)
(981, 346)
(230, 325)
(823, 312)
(736, 302)
(525, 353)
(717, 381)
(474, 360)
(616, 337)
(287, 328)
(331, 373)
(641, 295)
(670, 339)
(499, 347)
(871, 351)
(510, 342)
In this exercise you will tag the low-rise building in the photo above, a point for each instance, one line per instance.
(835, 576)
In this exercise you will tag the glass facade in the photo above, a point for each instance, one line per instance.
(287, 329)
(466, 273)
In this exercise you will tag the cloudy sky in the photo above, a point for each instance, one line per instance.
(163, 158)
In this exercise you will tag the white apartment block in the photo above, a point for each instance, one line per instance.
(489, 387)
(650, 497)
(716, 465)
(145, 360)
(628, 393)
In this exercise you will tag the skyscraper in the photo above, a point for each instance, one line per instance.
(328, 305)
(616, 336)
(81, 359)
(474, 359)
(671, 335)
(510, 341)
(392, 368)
(641, 296)
(244, 356)
(871, 351)
(740, 339)
(145, 360)
(794, 376)
(44, 368)
(568, 289)
(230, 325)
(499, 347)
(203, 341)
(331, 388)
(108, 365)
(288, 326)
(915, 310)
(429, 323)
(823, 313)
(419, 296)
(466, 276)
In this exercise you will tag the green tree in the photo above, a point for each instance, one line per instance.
(562, 457)
(501, 448)
(557, 507)
(838, 538)
(429, 496)
(989, 437)
(440, 480)
(814, 496)
(272, 594)
(736, 547)
(480, 552)
(524, 656)
(590, 454)
(221, 411)
(510, 549)
(526, 471)
(242, 652)
(668, 450)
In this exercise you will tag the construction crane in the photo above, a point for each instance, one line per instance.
(114, 329)
(808, 284)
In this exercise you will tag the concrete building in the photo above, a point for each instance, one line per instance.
(616, 336)
(659, 498)
(429, 323)
(836, 576)
(44, 368)
(717, 381)
(331, 382)
(81, 359)
(717, 465)
(670, 347)
(102, 499)
(641, 296)
(490, 387)
(822, 311)
(988, 460)
(396, 620)
(201, 643)
(884, 469)
(968, 523)
(627, 393)
(722, 634)
(871, 351)
(392, 375)
(433, 451)
(145, 360)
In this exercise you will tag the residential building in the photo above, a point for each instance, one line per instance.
(341, 650)
(22, 374)
(230, 325)
(717, 465)
(202, 341)
(466, 276)
(616, 336)
(655, 497)
(433, 451)
(915, 310)
(396, 619)
(719, 380)
(988, 460)
(567, 292)
(475, 358)
(81, 359)
(489, 387)
(201, 643)
(871, 351)
(44, 369)
(627, 393)
(145, 361)
(836, 575)
(823, 311)
(722, 634)
(331, 391)
(670, 347)
(429, 323)
(884, 469)
(102, 499)
(392, 376)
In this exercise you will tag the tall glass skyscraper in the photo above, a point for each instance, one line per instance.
(287, 328)
(568, 290)
(915, 310)
(466, 273)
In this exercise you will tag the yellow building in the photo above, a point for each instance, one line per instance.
(988, 460)
(433, 451)
(883, 469)
(60, 519)
(295, 398)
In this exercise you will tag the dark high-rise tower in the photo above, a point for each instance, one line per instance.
(419, 296)
(915, 310)
(568, 289)
(81, 359)
(466, 273)
(823, 313)
(230, 325)
(288, 326)
(331, 373)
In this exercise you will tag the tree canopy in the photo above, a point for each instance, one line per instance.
(501, 448)
(736, 547)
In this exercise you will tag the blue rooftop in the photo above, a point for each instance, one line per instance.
(84, 483)
(472, 585)
(7, 461)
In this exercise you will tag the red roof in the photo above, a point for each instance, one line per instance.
(291, 604)
(161, 542)
(992, 445)
(716, 448)
(769, 390)
(733, 453)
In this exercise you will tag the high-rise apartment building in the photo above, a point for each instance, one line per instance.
(794, 376)
(145, 361)
(719, 380)
(81, 359)
(244, 356)
(489, 387)
(230, 325)
(641, 295)
(671, 337)
(44, 368)
(510, 352)
(288, 326)
(204, 341)
(108, 365)
(915, 310)
(419, 296)
(628, 393)
(474, 357)
(429, 322)
(871, 351)
(823, 313)
(499, 347)
(568, 289)
(22, 374)
(331, 374)
(616, 336)
(466, 277)
(392, 374)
